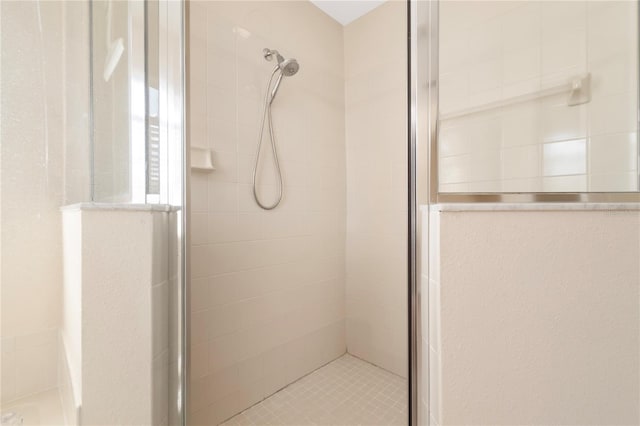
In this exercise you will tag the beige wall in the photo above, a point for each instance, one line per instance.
(267, 288)
(376, 138)
(538, 320)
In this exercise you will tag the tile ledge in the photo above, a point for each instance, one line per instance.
(528, 207)
(120, 207)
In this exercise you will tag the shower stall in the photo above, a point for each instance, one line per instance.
(299, 228)
(314, 212)
(198, 228)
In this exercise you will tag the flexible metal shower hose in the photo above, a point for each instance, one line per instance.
(266, 113)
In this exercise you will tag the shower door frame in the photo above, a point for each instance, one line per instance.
(422, 101)
(423, 185)
(168, 60)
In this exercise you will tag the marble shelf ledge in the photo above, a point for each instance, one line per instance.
(528, 207)
(121, 207)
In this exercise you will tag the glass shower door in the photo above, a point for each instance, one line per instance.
(138, 158)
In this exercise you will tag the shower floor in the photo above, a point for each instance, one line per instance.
(347, 391)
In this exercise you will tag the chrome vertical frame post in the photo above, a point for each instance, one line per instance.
(423, 102)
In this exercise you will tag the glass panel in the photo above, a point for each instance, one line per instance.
(118, 101)
(92, 293)
(138, 108)
(538, 96)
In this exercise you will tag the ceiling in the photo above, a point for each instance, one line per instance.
(345, 11)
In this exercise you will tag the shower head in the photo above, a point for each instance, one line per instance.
(289, 67)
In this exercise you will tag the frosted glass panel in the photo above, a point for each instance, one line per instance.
(538, 96)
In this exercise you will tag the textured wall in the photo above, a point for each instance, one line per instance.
(32, 161)
(267, 288)
(376, 139)
(539, 320)
(119, 374)
(44, 164)
(32, 190)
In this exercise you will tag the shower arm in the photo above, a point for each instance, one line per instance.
(269, 54)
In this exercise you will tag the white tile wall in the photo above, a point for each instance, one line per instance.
(267, 289)
(376, 144)
(565, 158)
(492, 51)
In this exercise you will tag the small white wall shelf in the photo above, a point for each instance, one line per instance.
(201, 159)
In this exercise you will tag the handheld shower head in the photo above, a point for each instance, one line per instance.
(289, 67)
(285, 68)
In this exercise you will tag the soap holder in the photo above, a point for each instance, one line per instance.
(201, 159)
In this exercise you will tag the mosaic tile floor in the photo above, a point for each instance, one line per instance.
(345, 392)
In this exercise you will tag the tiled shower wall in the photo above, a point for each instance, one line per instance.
(376, 122)
(493, 50)
(267, 287)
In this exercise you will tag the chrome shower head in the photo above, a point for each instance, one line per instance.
(289, 67)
